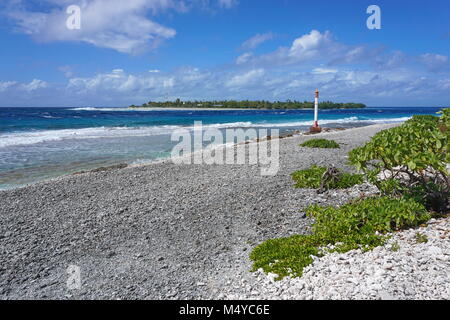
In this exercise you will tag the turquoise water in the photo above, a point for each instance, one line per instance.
(41, 143)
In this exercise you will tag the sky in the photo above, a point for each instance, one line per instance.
(135, 51)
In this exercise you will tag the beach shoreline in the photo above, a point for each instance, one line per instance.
(121, 165)
(160, 230)
(58, 141)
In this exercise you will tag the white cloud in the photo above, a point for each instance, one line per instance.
(306, 48)
(315, 60)
(119, 88)
(67, 71)
(323, 71)
(35, 85)
(256, 40)
(245, 78)
(118, 81)
(6, 85)
(311, 45)
(227, 3)
(435, 62)
(184, 82)
(127, 26)
(391, 60)
(243, 58)
(323, 48)
(444, 84)
(115, 24)
(168, 83)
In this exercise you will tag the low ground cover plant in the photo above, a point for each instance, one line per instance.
(314, 178)
(360, 224)
(421, 238)
(408, 164)
(320, 143)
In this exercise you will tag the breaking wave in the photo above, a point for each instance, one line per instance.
(34, 137)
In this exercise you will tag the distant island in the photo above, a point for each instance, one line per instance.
(247, 104)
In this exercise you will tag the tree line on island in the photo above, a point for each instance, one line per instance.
(248, 104)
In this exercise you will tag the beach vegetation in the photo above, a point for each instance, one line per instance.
(320, 143)
(395, 247)
(421, 238)
(407, 163)
(315, 177)
(445, 116)
(410, 160)
(361, 224)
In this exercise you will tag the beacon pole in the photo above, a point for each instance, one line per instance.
(315, 128)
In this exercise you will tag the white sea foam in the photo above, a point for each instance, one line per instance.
(50, 117)
(349, 120)
(34, 137)
(101, 109)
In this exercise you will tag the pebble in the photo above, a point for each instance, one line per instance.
(331, 277)
(179, 212)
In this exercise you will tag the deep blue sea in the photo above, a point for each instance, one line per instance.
(42, 143)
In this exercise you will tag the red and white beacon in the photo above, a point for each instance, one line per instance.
(315, 128)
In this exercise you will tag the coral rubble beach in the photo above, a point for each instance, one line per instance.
(166, 231)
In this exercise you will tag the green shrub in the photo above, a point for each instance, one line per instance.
(285, 256)
(424, 118)
(312, 178)
(421, 238)
(418, 149)
(382, 214)
(395, 247)
(445, 117)
(320, 143)
(349, 227)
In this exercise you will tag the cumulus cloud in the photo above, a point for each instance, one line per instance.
(5, 85)
(243, 58)
(245, 78)
(311, 45)
(256, 40)
(115, 24)
(67, 71)
(323, 71)
(120, 88)
(187, 83)
(391, 60)
(34, 85)
(136, 87)
(23, 94)
(227, 3)
(314, 60)
(322, 47)
(444, 84)
(125, 26)
(435, 62)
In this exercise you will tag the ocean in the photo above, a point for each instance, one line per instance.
(42, 143)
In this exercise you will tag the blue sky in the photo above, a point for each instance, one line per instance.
(130, 52)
